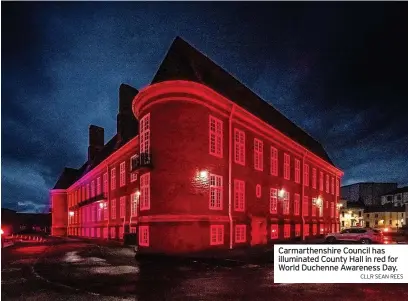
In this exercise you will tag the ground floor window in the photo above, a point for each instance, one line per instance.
(112, 233)
(286, 231)
(306, 230)
(105, 232)
(333, 228)
(216, 234)
(297, 230)
(132, 230)
(314, 229)
(120, 232)
(92, 232)
(274, 231)
(240, 233)
(144, 236)
(98, 232)
(321, 228)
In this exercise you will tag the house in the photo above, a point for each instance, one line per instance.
(199, 162)
(351, 214)
(386, 217)
(368, 193)
(397, 197)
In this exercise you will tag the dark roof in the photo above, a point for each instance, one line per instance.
(398, 190)
(67, 177)
(385, 208)
(184, 62)
(355, 205)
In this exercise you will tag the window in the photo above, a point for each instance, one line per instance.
(274, 231)
(133, 175)
(314, 178)
(314, 207)
(240, 233)
(332, 209)
(105, 212)
(98, 186)
(286, 203)
(337, 187)
(113, 209)
(99, 216)
(98, 232)
(239, 146)
(239, 195)
(274, 161)
(122, 208)
(105, 232)
(215, 137)
(216, 235)
(89, 214)
(258, 191)
(133, 205)
(327, 184)
(296, 204)
(286, 231)
(122, 174)
(144, 135)
(306, 229)
(83, 193)
(92, 189)
(314, 229)
(297, 171)
(286, 167)
(258, 154)
(321, 228)
(305, 206)
(88, 191)
(113, 178)
(112, 233)
(121, 232)
(297, 230)
(145, 191)
(273, 201)
(390, 221)
(306, 175)
(216, 192)
(105, 183)
(321, 181)
(143, 236)
(93, 213)
(332, 186)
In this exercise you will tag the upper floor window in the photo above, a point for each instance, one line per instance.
(145, 191)
(258, 191)
(239, 146)
(337, 187)
(332, 185)
(99, 216)
(215, 132)
(122, 208)
(105, 211)
(305, 205)
(133, 175)
(134, 198)
(296, 204)
(274, 161)
(144, 135)
(122, 174)
(327, 184)
(113, 178)
(216, 190)
(98, 186)
(217, 234)
(105, 183)
(113, 209)
(332, 210)
(321, 181)
(88, 191)
(306, 176)
(297, 171)
(314, 178)
(92, 189)
(258, 154)
(239, 195)
(273, 201)
(83, 193)
(286, 166)
(286, 203)
(314, 207)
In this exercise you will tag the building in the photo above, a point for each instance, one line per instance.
(397, 197)
(367, 193)
(387, 217)
(351, 214)
(208, 165)
(13, 222)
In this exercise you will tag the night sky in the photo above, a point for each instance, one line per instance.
(338, 70)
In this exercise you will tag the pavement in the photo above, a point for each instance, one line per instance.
(76, 269)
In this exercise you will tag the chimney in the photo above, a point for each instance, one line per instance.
(96, 141)
(127, 124)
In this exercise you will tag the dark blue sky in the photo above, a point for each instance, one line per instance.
(338, 70)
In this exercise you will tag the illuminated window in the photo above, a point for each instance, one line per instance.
(239, 195)
(306, 175)
(274, 161)
(105, 212)
(240, 233)
(274, 231)
(305, 205)
(112, 233)
(321, 181)
(99, 212)
(144, 134)
(337, 187)
(327, 183)
(145, 191)
(314, 207)
(297, 204)
(93, 213)
(314, 178)
(332, 185)
(306, 229)
(314, 229)
(286, 167)
(321, 228)
(332, 209)
(258, 154)
(122, 174)
(144, 236)
(133, 175)
(113, 209)
(216, 190)
(113, 179)
(105, 183)
(215, 137)
(297, 230)
(297, 171)
(98, 186)
(258, 191)
(92, 189)
(286, 203)
(216, 235)
(286, 231)
(273, 201)
(239, 146)
(134, 197)
(122, 207)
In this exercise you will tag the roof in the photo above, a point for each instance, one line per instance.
(369, 183)
(398, 190)
(385, 208)
(184, 62)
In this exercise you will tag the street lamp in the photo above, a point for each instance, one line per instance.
(71, 213)
(281, 193)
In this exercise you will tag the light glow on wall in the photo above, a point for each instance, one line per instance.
(71, 213)
(203, 175)
(281, 193)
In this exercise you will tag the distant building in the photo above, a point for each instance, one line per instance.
(15, 222)
(351, 214)
(367, 193)
(397, 197)
(385, 217)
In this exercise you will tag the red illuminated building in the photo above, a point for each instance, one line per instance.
(198, 162)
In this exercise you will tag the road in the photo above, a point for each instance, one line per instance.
(80, 270)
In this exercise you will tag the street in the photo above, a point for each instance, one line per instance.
(70, 269)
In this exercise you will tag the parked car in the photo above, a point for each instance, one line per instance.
(356, 235)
